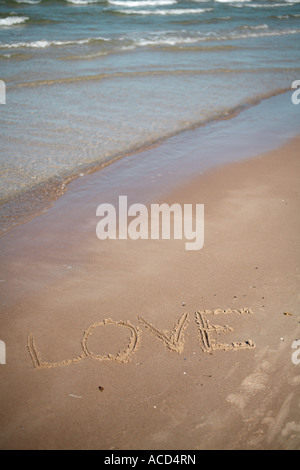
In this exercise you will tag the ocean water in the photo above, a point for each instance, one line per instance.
(88, 81)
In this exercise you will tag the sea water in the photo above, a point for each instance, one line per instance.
(89, 81)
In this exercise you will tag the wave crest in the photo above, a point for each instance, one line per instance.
(12, 20)
(141, 3)
(175, 11)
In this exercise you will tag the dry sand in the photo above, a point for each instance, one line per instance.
(143, 345)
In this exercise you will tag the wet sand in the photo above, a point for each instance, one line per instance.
(114, 344)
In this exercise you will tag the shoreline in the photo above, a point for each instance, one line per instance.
(28, 203)
(85, 321)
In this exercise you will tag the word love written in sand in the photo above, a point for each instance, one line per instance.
(172, 340)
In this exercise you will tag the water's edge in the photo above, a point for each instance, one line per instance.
(29, 203)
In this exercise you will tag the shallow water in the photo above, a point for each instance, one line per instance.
(88, 81)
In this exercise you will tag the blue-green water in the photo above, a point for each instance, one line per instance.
(88, 81)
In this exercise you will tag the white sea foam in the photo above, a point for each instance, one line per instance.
(176, 11)
(284, 17)
(43, 43)
(141, 3)
(254, 27)
(12, 20)
(232, 1)
(170, 38)
(82, 2)
(247, 35)
(30, 2)
(173, 39)
(259, 5)
(168, 41)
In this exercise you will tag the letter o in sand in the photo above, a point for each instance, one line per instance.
(121, 356)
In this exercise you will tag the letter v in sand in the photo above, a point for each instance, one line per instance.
(173, 340)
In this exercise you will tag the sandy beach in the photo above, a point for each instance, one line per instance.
(140, 344)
